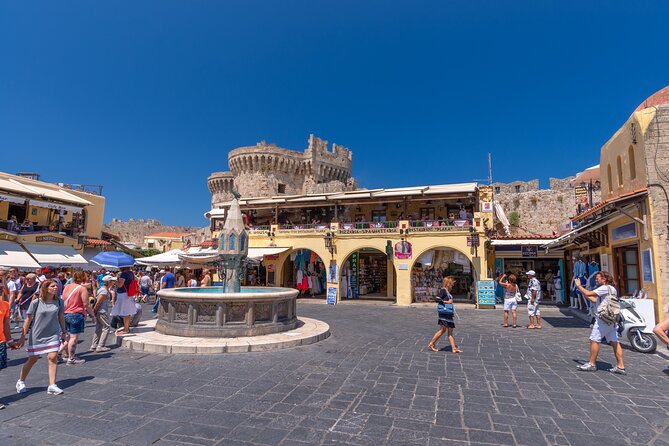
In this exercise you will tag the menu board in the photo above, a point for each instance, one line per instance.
(485, 293)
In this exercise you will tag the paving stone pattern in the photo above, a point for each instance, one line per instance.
(372, 382)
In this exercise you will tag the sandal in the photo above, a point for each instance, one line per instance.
(457, 350)
(432, 347)
(515, 326)
(530, 327)
(505, 326)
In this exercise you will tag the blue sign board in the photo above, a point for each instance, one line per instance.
(485, 292)
(332, 295)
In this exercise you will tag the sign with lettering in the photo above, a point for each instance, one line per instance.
(403, 250)
(49, 238)
(528, 251)
(473, 240)
(332, 295)
(8, 237)
(485, 292)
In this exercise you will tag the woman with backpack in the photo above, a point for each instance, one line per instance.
(602, 328)
(511, 295)
(446, 313)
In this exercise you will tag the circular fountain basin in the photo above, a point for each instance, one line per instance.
(209, 312)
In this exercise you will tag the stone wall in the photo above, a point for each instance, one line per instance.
(541, 211)
(134, 230)
(515, 187)
(265, 170)
(656, 145)
(561, 183)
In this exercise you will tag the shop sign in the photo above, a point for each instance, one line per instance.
(272, 257)
(403, 250)
(485, 292)
(647, 265)
(581, 198)
(529, 251)
(473, 240)
(49, 238)
(486, 206)
(9, 237)
(332, 295)
(333, 276)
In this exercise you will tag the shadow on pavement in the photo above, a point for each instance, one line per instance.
(63, 384)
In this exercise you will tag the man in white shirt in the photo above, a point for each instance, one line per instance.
(40, 277)
(533, 298)
(601, 329)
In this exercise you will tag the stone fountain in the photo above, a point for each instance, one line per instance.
(228, 311)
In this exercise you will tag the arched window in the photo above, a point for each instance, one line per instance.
(232, 242)
(630, 155)
(619, 165)
(222, 242)
(242, 242)
(608, 174)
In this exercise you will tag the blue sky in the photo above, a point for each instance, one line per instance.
(147, 98)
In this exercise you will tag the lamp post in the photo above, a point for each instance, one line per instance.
(590, 186)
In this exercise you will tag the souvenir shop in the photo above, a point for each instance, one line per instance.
(518, 259)
(431, 268)
(364, 275)
(304, 270)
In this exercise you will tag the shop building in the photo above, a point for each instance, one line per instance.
(627, 231)
(165, 241)
(48, 224)
(378, 243)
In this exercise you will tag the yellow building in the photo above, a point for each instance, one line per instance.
(52, 222)
(627, 231)
(165, 241)
(391, 244)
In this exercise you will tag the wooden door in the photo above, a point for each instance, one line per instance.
(627, 271)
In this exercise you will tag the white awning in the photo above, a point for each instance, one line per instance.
(525, 241)
(55, 255)
(215, 213)
(169, 258)
(12, 199)
(12, 254)
(451, 189)
(57, 206)
(259, 253)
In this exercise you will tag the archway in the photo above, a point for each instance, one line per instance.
(365, 274)
(304, 270)
(431, 266)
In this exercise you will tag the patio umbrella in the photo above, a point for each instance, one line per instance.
(113, 259)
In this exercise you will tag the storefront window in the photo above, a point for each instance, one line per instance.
(628, 270)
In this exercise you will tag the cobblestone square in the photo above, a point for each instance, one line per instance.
(373, 382)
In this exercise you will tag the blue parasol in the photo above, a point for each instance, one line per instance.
(113, 259)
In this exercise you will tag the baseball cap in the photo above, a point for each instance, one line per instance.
(531, 273)
(108, 278)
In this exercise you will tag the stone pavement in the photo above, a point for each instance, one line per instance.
(372, 382)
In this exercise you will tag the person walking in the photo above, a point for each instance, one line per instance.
(192, 281)
(77, 305)
(5, 335)
(510, 301)
(445, 321)
(45, 328)
(168, 281)
(101, 311)
(600, 330)
(533, 298)
(26, 294)
(144, 285)
(124, 306)
(206, 278)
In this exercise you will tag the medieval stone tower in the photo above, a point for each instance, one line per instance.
(265, 170)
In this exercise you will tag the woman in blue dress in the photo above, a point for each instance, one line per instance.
(445, 322)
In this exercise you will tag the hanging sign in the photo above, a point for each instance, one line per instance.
(529, 251)
(403, 250)
(486, 206)
(473, 240)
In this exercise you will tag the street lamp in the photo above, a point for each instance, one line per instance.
(329, 240)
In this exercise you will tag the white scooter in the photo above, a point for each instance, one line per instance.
(633, 327)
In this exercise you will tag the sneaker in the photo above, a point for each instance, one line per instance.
(618, 371)
(75, 361)
(587, 367)
(102, 349)
(54, 390)
(21, 387)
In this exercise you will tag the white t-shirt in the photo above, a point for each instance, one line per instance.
(603, 293)
(192, 283)
(14, 285)
(533, 284)
(145, 281)
(40, 279)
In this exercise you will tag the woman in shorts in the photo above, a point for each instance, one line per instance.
(77, 305)
(45, 327)
(445, 323)
(510, 302)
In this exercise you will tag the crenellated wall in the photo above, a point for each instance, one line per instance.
(266, 170)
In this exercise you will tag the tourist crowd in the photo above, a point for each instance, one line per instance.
(48, 308)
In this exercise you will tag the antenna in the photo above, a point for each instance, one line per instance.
(489, 169)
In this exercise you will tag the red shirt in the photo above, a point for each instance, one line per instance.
(4, 314)
(72, 298)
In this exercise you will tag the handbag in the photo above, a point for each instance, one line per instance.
(518, 297)
(446, 310)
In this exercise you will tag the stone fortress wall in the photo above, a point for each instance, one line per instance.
(540, 211)
(265, 170)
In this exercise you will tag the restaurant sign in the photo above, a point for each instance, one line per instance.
(49, 238)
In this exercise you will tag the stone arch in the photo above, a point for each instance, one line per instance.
(341, 260)
(474, 266)
(283, 270)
